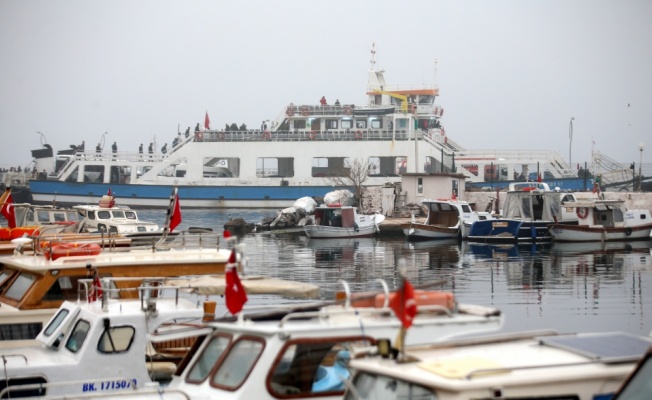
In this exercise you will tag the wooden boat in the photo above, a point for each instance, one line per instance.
(337, 221)
(33, 285)
(603, 220)
(298, 352)
(530, 208)
(541, 365)
(105, 343)
(446, 219)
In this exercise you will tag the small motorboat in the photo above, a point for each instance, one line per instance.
(338, 221)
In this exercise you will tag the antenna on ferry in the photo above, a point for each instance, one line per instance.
(436, 71)
(373, 55)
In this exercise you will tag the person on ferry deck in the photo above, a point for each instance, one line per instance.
(98, 148)
(322, 101)
(114, 147)
(140, 150)
(197, 127)
(188, 132)
(150, 150)
(164, 149)
(337, 102)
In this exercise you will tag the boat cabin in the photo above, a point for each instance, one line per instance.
(96, 346)
(107, 217)
(534, 201)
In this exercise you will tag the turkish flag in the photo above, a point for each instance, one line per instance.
(234, 292)
(207, 122)
(7, 211)
(95, 291)
(175, 218)
(403, 304)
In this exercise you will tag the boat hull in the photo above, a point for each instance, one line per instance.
(158, 196)
(584, 233)
(417, 231)
(326, 232)
(495, 231)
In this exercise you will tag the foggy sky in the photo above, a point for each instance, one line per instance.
(511, 73)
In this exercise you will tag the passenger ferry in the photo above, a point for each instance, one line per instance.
(296, 154)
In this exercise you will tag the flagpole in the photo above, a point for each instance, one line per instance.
(402, 331)
(168, 218)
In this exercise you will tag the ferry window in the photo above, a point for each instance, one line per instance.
(120, 175)
(420, 185)
(425, 99)
(331, 124)
(56, 321)
(103, 215)
(78, 335)
(387, 166)
(299, 124)
(376, 124)
(346, 124)
(116, 339)
(19, 286)
(269, 167)
(43, 216)
(73, 175)
(331, 166)
(305, 367)
(370, 386)
(94, 173)
(361, 123)
(209, 356)
(238, 362)
(221, 167)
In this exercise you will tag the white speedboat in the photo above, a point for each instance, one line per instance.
(602, 221)
(445, 219)
(337, 221)
(539, 365)
(270, 353)
(108, 217)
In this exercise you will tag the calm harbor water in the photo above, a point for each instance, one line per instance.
(567, 287)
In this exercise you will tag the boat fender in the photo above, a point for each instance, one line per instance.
(305, 111)
(628, 231)
(356, 227)
(582, 212)
(348, 110)
(312, 134)
(289, 111)
(358, 134)
(267, 135)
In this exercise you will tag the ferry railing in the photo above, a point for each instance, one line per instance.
(359, 134)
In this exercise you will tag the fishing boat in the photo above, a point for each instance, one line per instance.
(521, 365)
(101, 343)
(602, 221)
(398, 130)
(530, 208)
(338, 221)
(445, 219)
(33, 285)
(108, 217)
(298, 352)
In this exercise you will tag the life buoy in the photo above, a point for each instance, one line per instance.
(582, 212)
(312, 134)
(628, 231)
(72, 249)
(358, 134)
(289, 111)
(199, 135)
(220, 136)
(267, 135)
(348, 110)
(305, 111)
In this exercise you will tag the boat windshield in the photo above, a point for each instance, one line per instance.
(376, 387)
(211, 353)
